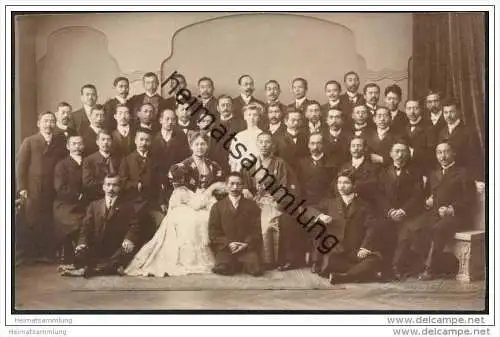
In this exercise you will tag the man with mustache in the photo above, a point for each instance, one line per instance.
(273, 92)
(247, 88)
(64, 120)
(392, 99)
(299, 88)
(275, 125)
(351, 97)
(371, 92)
(122, 87)
(81, 117)
(149, 96)
(206, 96)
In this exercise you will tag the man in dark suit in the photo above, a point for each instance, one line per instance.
(69, 203)
(351, 97)
(417, 132)
(247, 88)
(235, 232)
(81, 117)
(434, 116)
(227, 117)
(98, 165)
(140, 173)
(392, 99)
(362, 120)
(316, 173)
(460, 137)
(351, 220)
(64, 120)
(109, 235)
(337, 137)
(299, 88)
(381, 138)
(89, 135)
(332, 92)
(314, 120)
(371, 93)
(206, 95)
(364, 171)
(273, 91)
(400, 200)
(124, 134)
(121, 85)
(148, 118)
(171, 145)
(37, 158)
(291, 145)
(176, 83)
(275, 125)
(185, 122)
(150, 82)
(449, 207)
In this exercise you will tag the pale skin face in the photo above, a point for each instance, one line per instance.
(225, 107)
(142, 141)
(444, 154)
(264, 144)
(122, 116)
(372, 95)
(299, 89)
(183, 113)
(63, 115)
(89, 96)
(75, 145)
(146, 114)
(97, 118)
(392, 101)
(450, 114)
(313, 113)
(204, 123)
(345, 186)
(352, 83)
(332, 92)
(399, 154)
(315, 144)
(360, 115)
(111, 187)
(246, 86)
(150, 84)
(104, 142)
(412, 110)
(382, 118)
(433, 103)
(272, 91)
(334, 119)
(46, 124)
(199, 147)
(357, 148)
(293, 121)
(206, 89)
(274, 115)
(168, 120)
(122, 88)
(252, 117)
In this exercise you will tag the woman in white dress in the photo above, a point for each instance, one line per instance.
(180, 246)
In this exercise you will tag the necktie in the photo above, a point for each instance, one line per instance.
(397, 170)
(109, 165)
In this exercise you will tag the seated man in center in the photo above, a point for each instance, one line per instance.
(234, 231)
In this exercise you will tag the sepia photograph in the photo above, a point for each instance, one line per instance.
(249, 161)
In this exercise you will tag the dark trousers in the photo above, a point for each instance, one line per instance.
(247, 261)
(104, 259)
(294, 240)
(68, 246)
(356, 269)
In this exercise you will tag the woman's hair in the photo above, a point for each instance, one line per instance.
(196, 135)
(177, 175)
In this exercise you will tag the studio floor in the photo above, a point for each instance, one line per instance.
(39, 287)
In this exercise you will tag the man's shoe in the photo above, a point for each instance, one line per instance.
(287, 266)
(426, 276)
(120, 271)
(315, 269)
(74, 273)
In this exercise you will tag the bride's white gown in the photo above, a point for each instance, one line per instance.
(180, 245)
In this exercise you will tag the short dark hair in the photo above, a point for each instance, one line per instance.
(198, 134)
(450, 101)
(370, 85)
(121, 105)
(335, 109)
(303, 80)
(272, 81)
(365, 143)
(104, 132)
(433, 92)
(273, 105)
(150, 74)
(400, 140)
(382, 108)
(446, 142)
(333, 82)
(63, 104)
(205, 78)
(87, 86)
(351, 72)
(396, 89)
(143, 130)
(235, 174)
(112, 175)
(97, 107)
(348, 173)
(264, 133)
(313, 102)
(224, 96)
(358, 104)
(290, 111)
(43, 113)
(162, 112)
(73, 135)
(242, 77)
(144, 104)
(119, 79)
(412, 100)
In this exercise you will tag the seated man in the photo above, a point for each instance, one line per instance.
(449, 207)
(234, 232)
(350, 219)
(108, 236)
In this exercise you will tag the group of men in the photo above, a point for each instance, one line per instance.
(394, 186)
